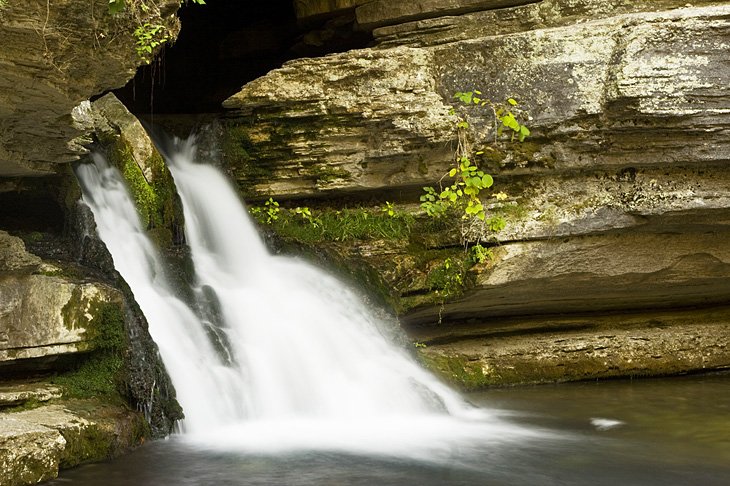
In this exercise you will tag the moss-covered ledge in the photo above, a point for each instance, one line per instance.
(127, 146)
(554, 349)
(74, 388)
(37, 442)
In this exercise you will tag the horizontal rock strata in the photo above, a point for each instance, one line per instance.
(617, 202)
(564, 348)
(44, 315)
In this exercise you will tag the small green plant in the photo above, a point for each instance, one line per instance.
(480, 254)
(148, 37)
(507, 113)
(496, 223)
(468, 181)
(268, 213)
(448, 278)
(388, 209)
(306, 214)
(419, 345)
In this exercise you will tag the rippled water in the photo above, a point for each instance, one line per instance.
(650, 432)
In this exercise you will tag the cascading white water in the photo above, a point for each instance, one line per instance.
(293, 358)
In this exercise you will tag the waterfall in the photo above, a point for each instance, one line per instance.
(275, 353)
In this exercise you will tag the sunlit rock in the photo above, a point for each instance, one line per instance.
(43, 314)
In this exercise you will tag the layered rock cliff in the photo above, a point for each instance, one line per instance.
(54, 56)
(617, 205)
(80, 378)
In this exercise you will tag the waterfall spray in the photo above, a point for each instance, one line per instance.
(292, 358)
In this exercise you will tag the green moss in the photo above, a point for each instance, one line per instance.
(95, 377)
(98, 374)
(356, 224)
(110, 431)
(74, 312)
(109, 333)
(458, 369)
(86, 444)
(156, 201)
(237, 149)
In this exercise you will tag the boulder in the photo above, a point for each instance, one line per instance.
(35, 443)
(123, 140)
(29, 452)
(43, 314)
(363, 120)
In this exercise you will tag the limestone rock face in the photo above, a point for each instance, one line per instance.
(384, 12)
(357, 121)
(568, 348)
(29, 452)
(54, 56)
(604, 95)
(35, 443)
(619, 201)
(43, 316)
(15, 394)
(373, 13)
(531, 16)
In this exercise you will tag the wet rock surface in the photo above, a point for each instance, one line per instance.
(35, 443)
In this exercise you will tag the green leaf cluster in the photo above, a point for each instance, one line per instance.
(148, 37)
(268, 213)
(468, 181)
(463, 193)
(447, 280)
(507, 113)
(480, 254)
(389, 209)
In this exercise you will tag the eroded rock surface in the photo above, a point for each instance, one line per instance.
(35, 443)
(44, 315)
(618, 202)
(56, 55)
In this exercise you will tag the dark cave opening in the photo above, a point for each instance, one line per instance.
(225, 44)
(22, 211)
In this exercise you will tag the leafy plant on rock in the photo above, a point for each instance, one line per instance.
(467, 181)
(268, 213)
(148, 36)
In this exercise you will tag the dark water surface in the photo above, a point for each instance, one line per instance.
(649, 432)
